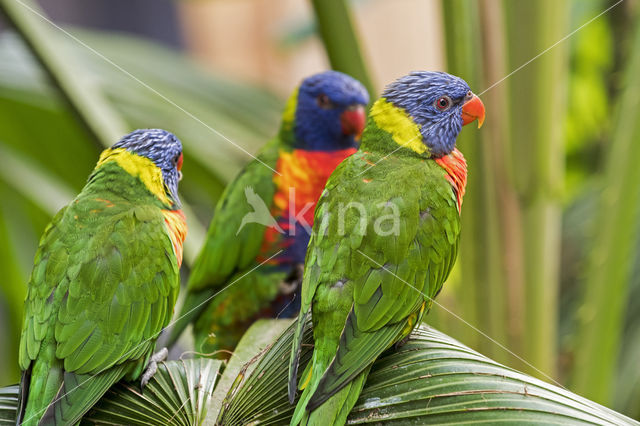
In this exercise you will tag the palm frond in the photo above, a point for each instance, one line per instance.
(430, 379)
(178, 394)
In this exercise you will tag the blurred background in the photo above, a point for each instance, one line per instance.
(548, 276)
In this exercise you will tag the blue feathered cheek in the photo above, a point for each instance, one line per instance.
(440, 136)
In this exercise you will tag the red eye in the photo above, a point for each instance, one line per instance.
(443, 103)
(178, 162)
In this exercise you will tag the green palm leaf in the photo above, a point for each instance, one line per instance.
(431, 379)
(178, 394)
(8, 405)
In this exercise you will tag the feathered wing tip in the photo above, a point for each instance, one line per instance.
(23, 393)
(78, 393)
(335, 410)
(295, 355)
(39, 384)
(300, 414)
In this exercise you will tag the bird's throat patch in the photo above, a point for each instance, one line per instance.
(301, 178)
(393, 120)
(140, 167)
(456, 167)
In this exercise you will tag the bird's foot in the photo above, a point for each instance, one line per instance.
(152, 367)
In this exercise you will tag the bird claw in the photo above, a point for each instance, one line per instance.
(152, 367)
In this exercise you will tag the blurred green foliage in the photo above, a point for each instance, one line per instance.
(588, 113)
(48, 156)
(563, 156)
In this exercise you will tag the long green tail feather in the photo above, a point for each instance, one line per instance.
(300, 415)
(44, 382)
(22, 395)
(335, 410)
(178, 394)
(78, 393)
(295, 355)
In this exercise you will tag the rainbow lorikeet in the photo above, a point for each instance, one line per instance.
(264, 218)
(105, 281)
(384, 239)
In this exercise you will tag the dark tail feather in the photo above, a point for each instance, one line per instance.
(192, 307)
(295, 355)
(23, 394)
(78, 393)
(335, 410)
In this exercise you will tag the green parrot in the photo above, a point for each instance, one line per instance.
(384, 240)
(104, 282)
(263, 219)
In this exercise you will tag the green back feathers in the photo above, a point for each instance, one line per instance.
(366, 283)
(230, 247)
(385, 238)
(103, 286)
(363, 281)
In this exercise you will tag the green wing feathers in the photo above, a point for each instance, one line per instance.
(226, 318)
(230, 246)
(78, 393)
(367, 281)
(295, 354)
(336, 409)
(103, 286)
(192, 306)
(357, 350)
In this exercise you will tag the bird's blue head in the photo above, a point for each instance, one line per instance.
(329, 112)
(164, 149)
(439, 104)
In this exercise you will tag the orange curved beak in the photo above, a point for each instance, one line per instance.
(472, 109)
(179, 167)
(179, 164)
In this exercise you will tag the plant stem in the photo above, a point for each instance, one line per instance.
(609, 265)
(538, 96)
(340, 40)
(481, 295)
(461, 60)
(498, 153)
(92, 110)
